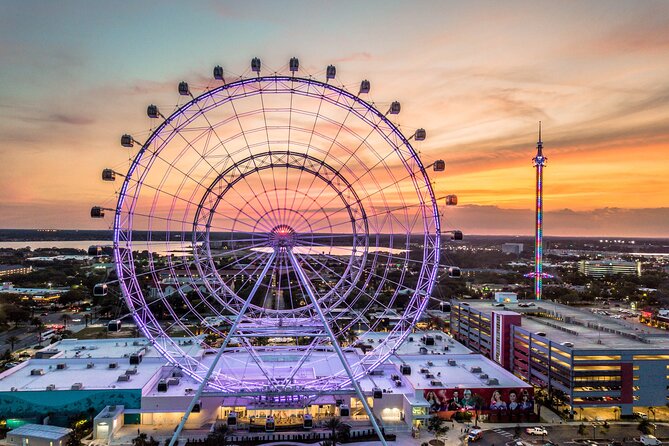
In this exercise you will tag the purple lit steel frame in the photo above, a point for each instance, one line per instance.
(198, 108)
(539, 162)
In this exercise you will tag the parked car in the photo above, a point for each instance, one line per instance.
(642, 415)
(538, 430)
(649, 440)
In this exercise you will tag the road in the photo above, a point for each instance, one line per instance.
(28, 337)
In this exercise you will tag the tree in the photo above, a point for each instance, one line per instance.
(437, 426)
(333, 424)
(218, 435)
(12, 340)
(644, 427)
(141, 440)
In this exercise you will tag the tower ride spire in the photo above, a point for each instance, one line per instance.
(539, 163)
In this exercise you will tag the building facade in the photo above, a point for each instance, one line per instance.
(586, 360)
(601, 268)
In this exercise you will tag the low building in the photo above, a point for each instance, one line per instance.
(601, 268)
(506, 297)
(38, 435)
(512, 248)
(8, 270)
(129, 386)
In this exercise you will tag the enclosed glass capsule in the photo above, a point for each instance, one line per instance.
(344, 411)
(108, 175)
(100, 290)
(330, 72)
(269, 424)
(97, 212)
(451, 200)
(420, 135)
(95, 250)
(183, 89)
(308, 422)
(378, 393)
(457, 235)
(255, 65)
(394, 108)
(232, 419)
(218, 72)
(365, 86)
(439, 166)
(115, 325)
(127, 141)
(152, 111)
(294, 64)
(454, 272)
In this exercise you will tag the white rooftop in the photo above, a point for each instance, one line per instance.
(41, 431)
(435, 372)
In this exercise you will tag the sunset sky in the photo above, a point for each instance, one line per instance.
(478, 76)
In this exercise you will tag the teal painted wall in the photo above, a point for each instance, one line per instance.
(65, 402)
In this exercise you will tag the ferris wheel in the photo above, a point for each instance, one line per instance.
(284, 218)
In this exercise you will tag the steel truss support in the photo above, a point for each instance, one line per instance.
(307, 286)
(222, 348)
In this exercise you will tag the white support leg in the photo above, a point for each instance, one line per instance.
(224, 345)
(307, 286)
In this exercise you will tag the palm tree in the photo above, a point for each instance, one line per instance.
(12, 340)
(334, 424)
(615, 413)
(140, 440)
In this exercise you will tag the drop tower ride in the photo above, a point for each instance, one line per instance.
(539, 162)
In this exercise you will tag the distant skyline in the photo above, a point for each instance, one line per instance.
(478, 76)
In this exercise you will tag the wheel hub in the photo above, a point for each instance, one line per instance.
(282, 238)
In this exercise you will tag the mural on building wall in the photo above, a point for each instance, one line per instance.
(64, 402)
(503, 403)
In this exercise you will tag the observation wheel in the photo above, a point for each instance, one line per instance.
(284, 218)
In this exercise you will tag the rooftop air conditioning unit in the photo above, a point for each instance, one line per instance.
(405, 369)
(162, 386)
(14, 389)
(90, 365)
(131, 371)
(113, 365)
(452, 362)
(475, 369)
(484, 376)
(174, 381)
(493, 382)
(77, 386)
(35, 372)
(123, 378)
(51, 387)
(377, 372)
(61, 366)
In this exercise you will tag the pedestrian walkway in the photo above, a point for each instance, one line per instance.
(503, 433)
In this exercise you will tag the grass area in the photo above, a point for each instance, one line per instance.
(91, 333)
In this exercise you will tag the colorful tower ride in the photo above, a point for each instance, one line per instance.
(539, 162)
